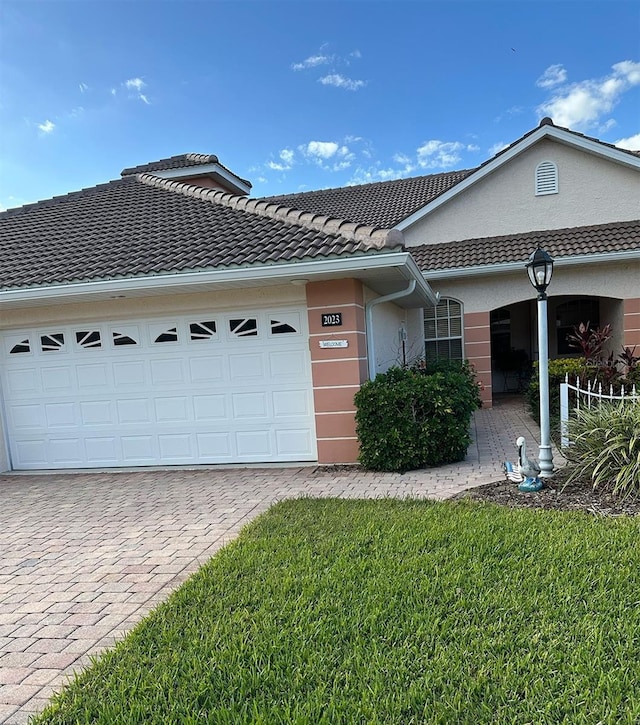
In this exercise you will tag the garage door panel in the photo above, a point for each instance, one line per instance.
(97, 412)
(292, 443)
(57, 379)
(253, 444)
(93, 376)
(167, 372)
(25, 417)
(31, 453)
(288, 403)
(61, 414)
(287, 364)
(249, 405)
(176, 447)
(129, 374)
(102, 451)
(209, 369)
(136, 410)
(210, 407)
(26, 380)
(138, 448)
(214, 446)
(247, 366)
(203, 388)
(66, 451)
(173, 410)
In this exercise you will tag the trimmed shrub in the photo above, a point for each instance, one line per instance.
(411, 418)
(605, 446)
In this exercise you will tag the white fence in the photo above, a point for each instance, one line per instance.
(587, 397)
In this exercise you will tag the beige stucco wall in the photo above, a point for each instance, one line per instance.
(592, 190)
(128, 308)
(489, 292)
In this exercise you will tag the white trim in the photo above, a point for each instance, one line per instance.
(266, 273)
(203, 170)
(485, 269)
(553, 132)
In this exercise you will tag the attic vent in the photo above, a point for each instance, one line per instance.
(546, 178)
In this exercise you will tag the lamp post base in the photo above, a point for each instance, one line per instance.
(546, 462)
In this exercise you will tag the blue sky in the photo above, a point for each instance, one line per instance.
(302, 94)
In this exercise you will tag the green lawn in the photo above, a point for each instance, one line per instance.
(332, 611)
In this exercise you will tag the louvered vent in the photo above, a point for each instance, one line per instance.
(546, 178)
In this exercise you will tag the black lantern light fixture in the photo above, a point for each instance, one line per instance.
(540, 270)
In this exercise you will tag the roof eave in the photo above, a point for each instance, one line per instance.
(370, 267)
(507, 267)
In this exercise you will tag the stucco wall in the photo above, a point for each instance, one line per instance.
(488, 292)
(591, 191)
(142, 306)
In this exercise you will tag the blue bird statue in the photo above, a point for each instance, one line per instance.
(526, 472)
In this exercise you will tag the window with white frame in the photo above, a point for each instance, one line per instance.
(443, 331)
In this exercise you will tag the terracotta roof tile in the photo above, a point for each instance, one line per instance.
(144, 225)
(383, 203)
(601, 238)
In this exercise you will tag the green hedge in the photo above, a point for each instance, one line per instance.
(411, 418)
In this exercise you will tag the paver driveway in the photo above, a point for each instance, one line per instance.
(86, 556)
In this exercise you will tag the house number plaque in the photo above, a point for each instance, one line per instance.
(332, 319)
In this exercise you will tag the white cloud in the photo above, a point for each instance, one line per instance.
(553, 76)
(47, 126)
(136, 84)
(286, 157)
(340, 81)
(632, 143)
(355, 54)
(581, 105)
(113, 91)
(322, 149)
(313, 61)
(439, 154)
(328, 155)
(83, 87)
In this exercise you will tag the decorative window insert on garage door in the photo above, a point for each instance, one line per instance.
(443, 331)
(202, 388)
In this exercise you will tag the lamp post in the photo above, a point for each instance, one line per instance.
(540, 270)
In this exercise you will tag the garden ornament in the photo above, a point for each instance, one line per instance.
(525, 472)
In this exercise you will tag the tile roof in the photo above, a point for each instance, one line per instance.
(143, 225)
(182, 161)
(383, 203)
(387, 203)
(601, 238)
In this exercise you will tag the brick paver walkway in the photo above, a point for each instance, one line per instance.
(84, 556)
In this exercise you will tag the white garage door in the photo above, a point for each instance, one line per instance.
(203, 388)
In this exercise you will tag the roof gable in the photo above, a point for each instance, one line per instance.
(186, 166)
(546, 130)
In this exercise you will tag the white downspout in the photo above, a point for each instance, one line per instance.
(368, 314)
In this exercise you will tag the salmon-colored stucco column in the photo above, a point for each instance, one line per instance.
(337, 372)
(631, 322)
(477, 350)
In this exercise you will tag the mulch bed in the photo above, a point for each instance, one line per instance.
(557, 495)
